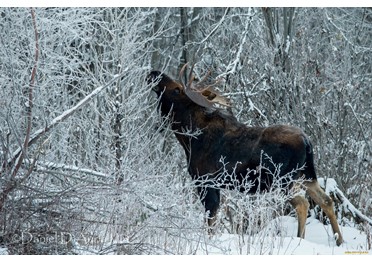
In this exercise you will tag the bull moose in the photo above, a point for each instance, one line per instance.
(197, 107)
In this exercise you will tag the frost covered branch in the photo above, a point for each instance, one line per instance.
(57, 120)
(331, 187)
(217, 26)
(29, 104)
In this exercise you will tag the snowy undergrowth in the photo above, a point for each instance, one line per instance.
(279, 238)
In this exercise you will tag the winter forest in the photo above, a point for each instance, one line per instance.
(88, 165)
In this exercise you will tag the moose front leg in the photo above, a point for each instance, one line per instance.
(210, 198)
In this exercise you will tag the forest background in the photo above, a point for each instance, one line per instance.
(82, 146)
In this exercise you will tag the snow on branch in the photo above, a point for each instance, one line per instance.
(330, 186)
(29, 103)
(52, 165)
(217, 26)
(358, 48)
(232, 67)
(66, 114)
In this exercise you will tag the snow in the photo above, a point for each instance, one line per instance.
(287, 45)
(279, 238)
(318, 241)
(331, 186)
(3, 251)
(66, 114)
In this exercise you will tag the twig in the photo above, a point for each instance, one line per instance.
(66, 114)
(361, 48)
(350, 207)
(11, 185)
(360, 125)
(216, 27)
(30, 100)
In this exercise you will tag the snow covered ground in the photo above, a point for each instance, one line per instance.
(278, 238)
(318, 241)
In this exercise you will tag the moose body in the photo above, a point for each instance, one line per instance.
(225, 153)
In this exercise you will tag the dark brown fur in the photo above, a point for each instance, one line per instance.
(248, 153)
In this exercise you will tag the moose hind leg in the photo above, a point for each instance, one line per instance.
(326, 204)
(301, 205)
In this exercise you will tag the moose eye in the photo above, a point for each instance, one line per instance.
(156, 88)
(177, 91)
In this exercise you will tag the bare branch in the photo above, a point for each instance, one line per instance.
(23, 150)
(30, 99)
(216, 27)
(66, 114)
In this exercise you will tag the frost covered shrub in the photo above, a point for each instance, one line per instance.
(107, 176)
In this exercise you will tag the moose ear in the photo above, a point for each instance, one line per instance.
(201, 93)
(197, 98)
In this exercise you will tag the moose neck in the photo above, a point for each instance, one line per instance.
(189, 125)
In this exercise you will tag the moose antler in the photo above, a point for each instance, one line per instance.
(203, 95)
(190, 78)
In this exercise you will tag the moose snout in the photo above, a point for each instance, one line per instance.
(153, 79)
